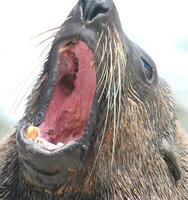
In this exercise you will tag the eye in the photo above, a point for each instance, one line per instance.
(148, 70)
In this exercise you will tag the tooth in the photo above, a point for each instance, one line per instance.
(51, 146)
(32, 133)
(62, 49)
(59, 144)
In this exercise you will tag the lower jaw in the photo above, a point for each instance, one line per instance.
(41, 180)
(51, 168)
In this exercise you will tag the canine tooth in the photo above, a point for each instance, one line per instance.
(32, 133)
(62, 49)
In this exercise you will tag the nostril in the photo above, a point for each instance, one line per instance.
(99, 9)
(92, 8)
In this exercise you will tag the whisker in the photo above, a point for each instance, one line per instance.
(100, 38)
(120, 70)
(114, 128)
(113, 104)
(101, 141)
(22, 85)
(104, 86)
(68, 18)
(106, 119)
(45, 40)
(112, 82)
(41, 34)
(100, 82)
(45, 49)
(19, 100)
(103, 53)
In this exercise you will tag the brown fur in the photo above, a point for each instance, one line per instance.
(126, 160)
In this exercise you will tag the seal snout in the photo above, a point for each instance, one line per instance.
(92, 9)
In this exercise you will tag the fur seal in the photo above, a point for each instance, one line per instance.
(99, 123)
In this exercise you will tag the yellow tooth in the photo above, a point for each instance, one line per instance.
(62, 49)
(32, 133)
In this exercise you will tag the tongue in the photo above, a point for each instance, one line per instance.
(73, 95)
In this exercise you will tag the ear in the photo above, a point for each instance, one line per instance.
(170, 159)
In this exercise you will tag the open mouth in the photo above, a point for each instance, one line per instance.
(56, 144)
(57, 134)
(71, 103)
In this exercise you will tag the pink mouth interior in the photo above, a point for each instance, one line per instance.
(73, 95)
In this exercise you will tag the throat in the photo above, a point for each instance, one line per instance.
(72, 99)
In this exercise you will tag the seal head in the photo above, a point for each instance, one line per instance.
(63, 103)
(100, 122)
